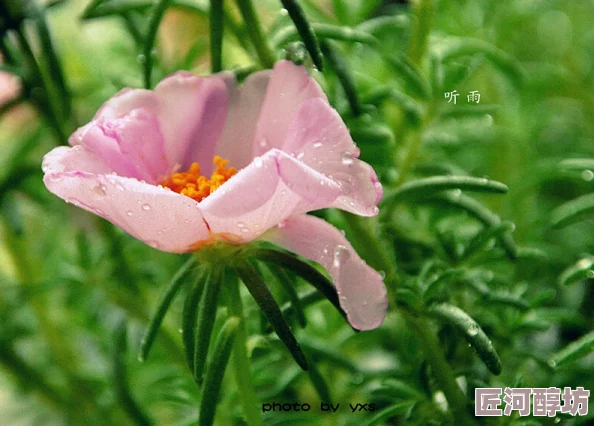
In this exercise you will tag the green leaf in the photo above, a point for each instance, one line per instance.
(573, 211)
(325, 31)
(410, 74)
(581, 271)
(157, 318)
(289, 286)
(207, 311)
(473, 333)
(319, 383)
(302, 269)
(389, 412)
(120, 381)
(343, 72)
(409, 106)
(422, 188)
(270, 308)
(306, 32)
(385, 24)
(577, 164)
(483, 237)
(456, 47)
(189, 317)
(482, 214)
(215, 371)
(574, 351)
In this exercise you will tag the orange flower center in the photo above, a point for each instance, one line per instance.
(192, 184)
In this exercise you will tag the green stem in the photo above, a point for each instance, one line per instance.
(44, 103)
(441, 370)
(54, 66)
(29, 376)
(256, 33)
(241, 362)
(424, 11)
(155, 19)
(216, 35)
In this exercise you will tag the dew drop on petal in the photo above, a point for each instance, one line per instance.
(347, 158)
(99, 190)
(129, 213)
(317, 145)
(240, 225)
(341, 255)
(382, 274)
(300, 155)
(587, 175)
(146, 207)
(258, 162)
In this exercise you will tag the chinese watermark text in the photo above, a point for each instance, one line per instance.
(545, 401)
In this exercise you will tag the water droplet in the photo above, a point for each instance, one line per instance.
(341, 255)
(373, 211)
(590, 274)
(99, 190)
(283, 192)
(119, 187)
(347, 158)
(317, 145)
(382, 274)
(282, 225)
(587, 175)
(300, 155)
(244, 230)
(240, 225)
(129, 213)
(258, 162)
(146, 207)
(153, 244)
(263, 143)
(141, 59)
(473, 330)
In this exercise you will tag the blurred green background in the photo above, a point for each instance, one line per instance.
(68, 278)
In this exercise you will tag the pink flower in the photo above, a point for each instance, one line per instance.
(292, 151)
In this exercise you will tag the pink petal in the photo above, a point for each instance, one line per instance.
(127, 100)
(140, 141)
(192, 112)
(77, 158)
(93, 139)
(319, 138)
(245, 102)
(157, 216)
(361, 289)
(289, 87)
(266, 192)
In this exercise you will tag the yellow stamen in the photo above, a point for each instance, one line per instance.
(193, 185)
